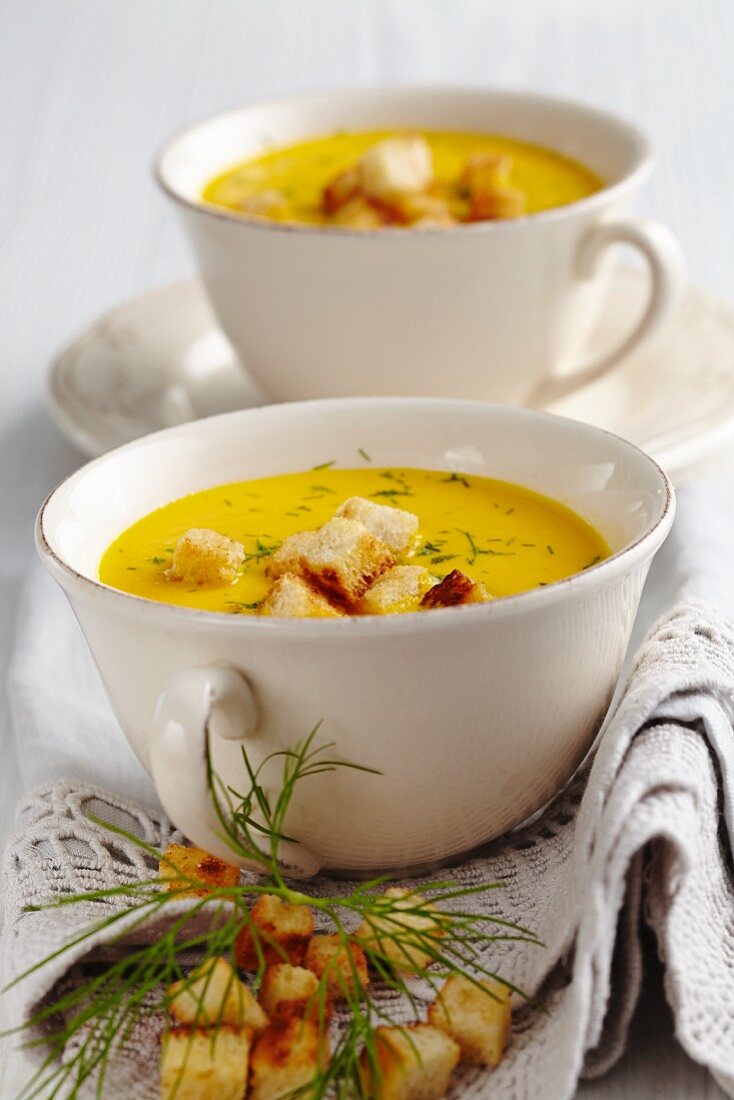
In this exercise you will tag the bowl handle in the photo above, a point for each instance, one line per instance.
(665, 260)
(195, 707)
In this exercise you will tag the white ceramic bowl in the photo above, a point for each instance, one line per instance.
(495, 310)
(475, 716)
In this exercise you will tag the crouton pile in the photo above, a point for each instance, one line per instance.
(223, 1041)
(394, 184)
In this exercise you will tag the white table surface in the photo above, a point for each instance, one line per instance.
(90, 88)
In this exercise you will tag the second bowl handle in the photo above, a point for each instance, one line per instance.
(196, 706)
(667, 279)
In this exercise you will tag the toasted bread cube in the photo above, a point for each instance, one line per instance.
(410, 952)
(178, 865)
(291, 991)
(285, 932)
(396, 166)
(420, 208)
(478, 1021)
(287, 1057)
(293, 597)
(455, 589)
(345, 965)
(214, 995)
(415, 1063)
(359, 213)
(200, 1064)
(496, 204)
(203, 556)
(288, 558)
(264, 204)
(393, 526)
(346, 559)
(343, 187)
(400, 590)
(486, 171)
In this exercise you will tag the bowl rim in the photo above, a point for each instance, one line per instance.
(620, 562)
(636, 175)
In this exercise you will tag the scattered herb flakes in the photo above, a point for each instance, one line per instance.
(509, 542)
(593, 561)
(227, 502)
(550, 549)
(528, 545)
(315, 496)
(457, 478)
(133, 568)
(542, 584)
(156, 560)
(322, 489)
(324, 465)
(305, 507)
(443, 557)
(295, 514)
(393, 493)
(364, 454)
(509, 511)
(238, 607)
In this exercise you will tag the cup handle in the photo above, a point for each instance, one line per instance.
(197, 706)
(664, 257)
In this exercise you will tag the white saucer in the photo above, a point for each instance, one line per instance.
(160, 359)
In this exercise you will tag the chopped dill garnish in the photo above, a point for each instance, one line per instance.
(430, 548)
(364, 454)
(156, 560)
(322, 489)
(592, 562)
(292, 514)
(443, 557)
(132, 568)
(227, 502)
(169, 549)
(528, 544)
(509, 511)
(542, 584)
(238, 606)
(509, 542)
(393, 493)
(550, 549)
(457, 477)
(324, 465)
(304, 507)
(315, 496)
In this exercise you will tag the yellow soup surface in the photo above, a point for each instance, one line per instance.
(300, 172)
(504, 536)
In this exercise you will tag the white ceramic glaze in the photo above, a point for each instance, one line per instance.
(496, 310)
(160, 360)
(475, 716)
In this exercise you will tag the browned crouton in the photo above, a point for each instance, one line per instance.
(478, 1021)
(496, 204)
(345, 559)
(485, 171)
(287, 1057)
(421, 208)
(291, 991)
(455, 589)
(340, 190)
(203, 556)
(288, 558)
(413, 1063)
(359, 213)
(345, 966)
(199, 1064)
(264, 204)
(402, 589)
(213, 995)
(396, 166)
(393, 526)
(293, 597)
(411, 912)
(285, 931)
(195, 873)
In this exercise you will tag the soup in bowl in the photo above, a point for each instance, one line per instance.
(435, 241)
(471, 714)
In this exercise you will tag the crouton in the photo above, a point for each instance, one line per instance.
(288, 558)
(291, 991)
(413, 1063)
(340, 190)
(287, 1057)
(178, 865)
(420, 208)
(285, 931)
(486, 171)
(199, 1064)
(393, 526)
(454, 589)
(293, 597)
(496, 204)
(479, 1022)
(359, 213)
(264, 204)
(345, 965)
(214, 995)
(203, 556)
(410, 952)
(400, 590)
(346, 559)
(396, 166)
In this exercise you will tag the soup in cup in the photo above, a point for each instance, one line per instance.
(492, 306)
(471, 717)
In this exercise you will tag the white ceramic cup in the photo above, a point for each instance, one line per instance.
(475, 716)
(495, 310)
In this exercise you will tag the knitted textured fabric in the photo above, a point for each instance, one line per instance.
(645, 831)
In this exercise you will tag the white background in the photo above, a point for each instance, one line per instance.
(90, 88)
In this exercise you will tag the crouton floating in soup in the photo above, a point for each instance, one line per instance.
(328, 542)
